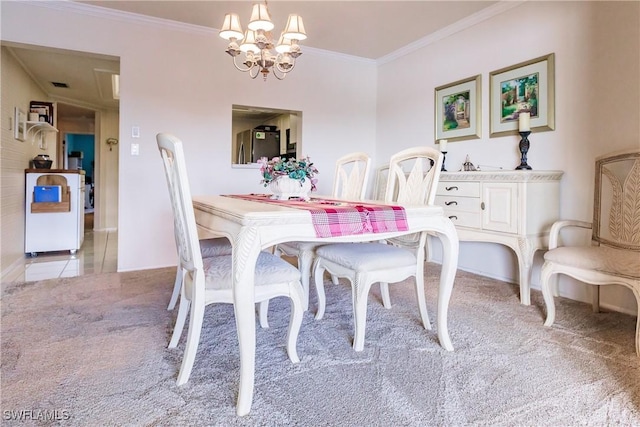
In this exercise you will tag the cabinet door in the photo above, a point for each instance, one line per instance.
(499, 207)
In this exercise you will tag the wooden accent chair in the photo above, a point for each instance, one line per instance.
(614, 255)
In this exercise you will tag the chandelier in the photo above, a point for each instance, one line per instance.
(257, 44)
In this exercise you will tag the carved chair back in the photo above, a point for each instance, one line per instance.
(616, 213)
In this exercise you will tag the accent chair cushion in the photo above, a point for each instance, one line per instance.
(618, 262)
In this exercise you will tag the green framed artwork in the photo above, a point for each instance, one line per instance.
(458, 110)
(525, 87)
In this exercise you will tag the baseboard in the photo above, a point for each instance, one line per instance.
(9, 270)
(536, 286)
(107, 229)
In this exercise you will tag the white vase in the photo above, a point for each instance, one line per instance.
(284, 188)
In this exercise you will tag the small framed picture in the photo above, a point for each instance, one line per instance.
(19, 124)
(458, 110)
(527, 87)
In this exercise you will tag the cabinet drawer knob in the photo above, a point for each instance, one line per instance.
(482, 205)
(452, 217)
(451, 203)
(451, 188)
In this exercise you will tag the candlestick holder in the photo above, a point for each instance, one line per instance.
(524, 148)
(444, 157)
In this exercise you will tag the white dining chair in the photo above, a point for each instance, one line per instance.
(613, 255)
(364, 264)
(209, 281)
(350, 182)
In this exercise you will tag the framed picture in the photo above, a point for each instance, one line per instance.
(19, 124)
(458, 110)
(525, 87)
(44, 110)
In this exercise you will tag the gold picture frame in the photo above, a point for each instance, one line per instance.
(525, 87)
(458, 110)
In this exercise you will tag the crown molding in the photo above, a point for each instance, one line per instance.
(138, 19)
(461, 25)
(121, 16)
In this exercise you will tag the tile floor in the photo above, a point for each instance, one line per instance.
(98, 254)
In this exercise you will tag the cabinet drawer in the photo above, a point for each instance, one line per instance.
(468, 204)
(458, 188)
(464, 219)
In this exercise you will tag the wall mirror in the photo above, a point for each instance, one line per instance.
(263, 132)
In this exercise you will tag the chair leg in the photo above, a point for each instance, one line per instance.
(183, 310)
(295, 323)
(546, 285)
(360, 292)
(422, 303)
(193, 339)
(176, 288)
(595, 298)
(384, 291)
(318, 275)
(263, 311)
(334, 279)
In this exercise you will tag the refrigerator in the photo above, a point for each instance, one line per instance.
(54, 223)
(256, 143)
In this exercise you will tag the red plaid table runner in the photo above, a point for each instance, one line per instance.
(332, 218)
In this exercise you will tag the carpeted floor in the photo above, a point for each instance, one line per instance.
(91, 351)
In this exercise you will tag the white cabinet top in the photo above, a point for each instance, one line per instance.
(502, 175)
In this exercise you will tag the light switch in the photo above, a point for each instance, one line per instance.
(135, 149)
(135, 132)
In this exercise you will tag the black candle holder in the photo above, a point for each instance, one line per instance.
(444, 157)
(524, 148)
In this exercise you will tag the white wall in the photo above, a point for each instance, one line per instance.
(182, 81)
(597, 55)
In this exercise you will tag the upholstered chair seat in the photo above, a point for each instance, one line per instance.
(618, 262)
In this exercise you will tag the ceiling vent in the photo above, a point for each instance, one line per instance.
(60, 84)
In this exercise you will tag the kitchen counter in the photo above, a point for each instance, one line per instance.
(35, 170)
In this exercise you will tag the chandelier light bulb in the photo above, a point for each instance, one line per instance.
(295, 28)
(231, 28)
(249, 43)
(260, 18)
(284, 45)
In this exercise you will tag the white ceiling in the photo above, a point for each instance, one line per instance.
(368, 29)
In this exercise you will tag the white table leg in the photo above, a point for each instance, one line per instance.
(450, 248)
(245, 253)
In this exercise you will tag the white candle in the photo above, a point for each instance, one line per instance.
(443, 145)
(524, 122)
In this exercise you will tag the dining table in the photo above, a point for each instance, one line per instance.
(255, 222)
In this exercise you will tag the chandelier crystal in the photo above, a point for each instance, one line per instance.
(257, 44)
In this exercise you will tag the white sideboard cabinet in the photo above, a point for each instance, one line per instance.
(512, 208)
